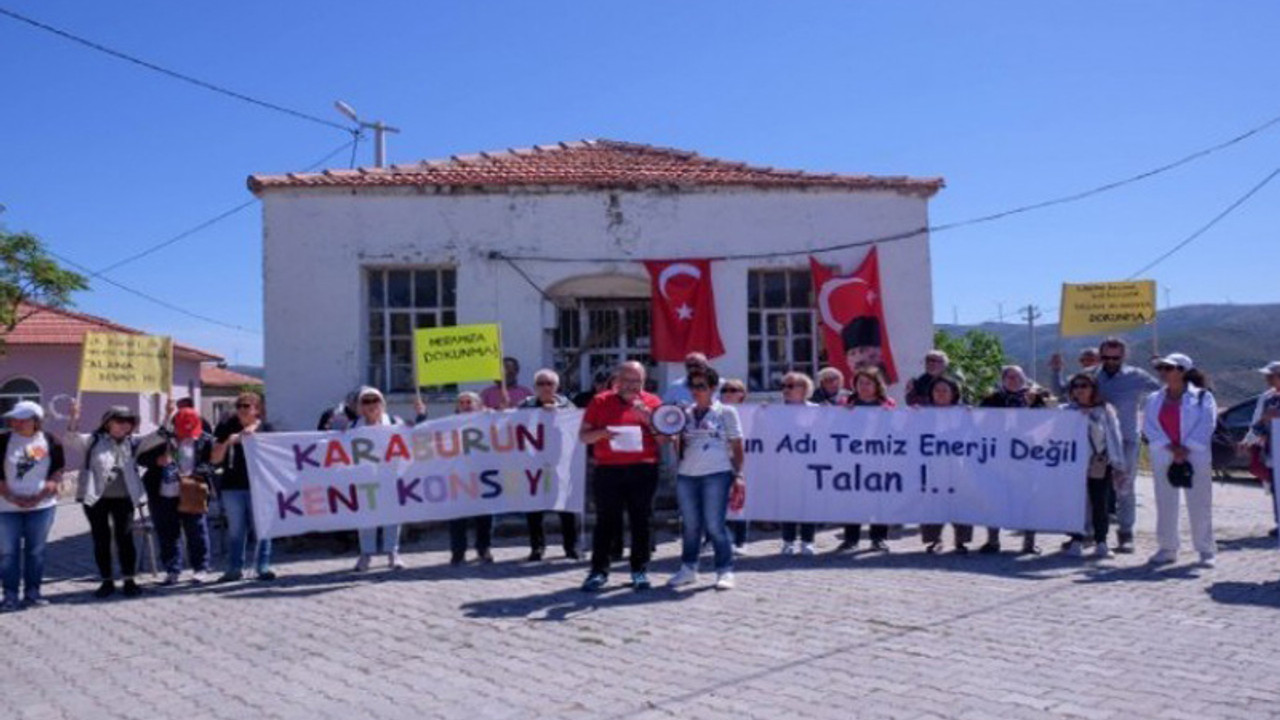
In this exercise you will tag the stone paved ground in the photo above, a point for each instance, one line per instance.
(838, 636)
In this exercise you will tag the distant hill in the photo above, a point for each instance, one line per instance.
(1230, 342)
(250, 370)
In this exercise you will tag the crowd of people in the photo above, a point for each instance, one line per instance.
(178, 469)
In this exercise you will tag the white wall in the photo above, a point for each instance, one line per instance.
(317, 241)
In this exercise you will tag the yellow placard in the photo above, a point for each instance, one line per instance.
(1107, 307)
(123, 363)
(458, 354)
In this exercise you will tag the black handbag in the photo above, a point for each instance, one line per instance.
(1180, 474)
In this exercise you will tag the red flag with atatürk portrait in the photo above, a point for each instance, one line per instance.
(684, 310)
(851, 311)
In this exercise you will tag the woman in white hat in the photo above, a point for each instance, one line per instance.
(31, 462)
(1258, 439)
(1178, 423)
(110, 488)
(371, 408)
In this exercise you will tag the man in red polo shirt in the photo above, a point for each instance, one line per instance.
(617, 426)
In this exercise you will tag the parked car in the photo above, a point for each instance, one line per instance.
(1233, 425)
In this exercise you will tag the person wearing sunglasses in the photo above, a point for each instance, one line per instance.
(1124, 387)
(469, 402)
(711, 459)
(946, 392)
(797, 388)
(371, 411)
(1178, 422)
(228, 452)
(546, 395)
(734, 392)
(869, 391)
(1106, 460)
(110, 488)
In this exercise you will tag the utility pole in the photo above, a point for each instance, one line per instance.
(1168, 303)
(1031, 313)
(955, 315)
(1000, 311)
(379, 128)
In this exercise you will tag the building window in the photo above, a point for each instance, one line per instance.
(16, 390)
(781, 327)
(594, 335)
(400, 301)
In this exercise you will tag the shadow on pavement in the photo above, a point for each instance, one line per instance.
(1262, 594)
(563, 604)
(1141, 573)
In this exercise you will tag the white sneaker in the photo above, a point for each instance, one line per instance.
(394, 562)
(686, 576)
(808, 549)
(199, 578)
(171, 578)
(1075, 549)
(1102, 552)
(790, 548)
(363, 563)
(1163, 558)
(724, 580)
(1207, 561)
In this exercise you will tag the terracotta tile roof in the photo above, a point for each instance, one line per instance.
(591, 164)
(214, 376)
(52, 326)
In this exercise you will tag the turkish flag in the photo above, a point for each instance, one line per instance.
(684, 309)
(851, 311)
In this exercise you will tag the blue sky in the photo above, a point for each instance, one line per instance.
(1013, 102)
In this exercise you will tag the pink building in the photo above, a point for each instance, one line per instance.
(41, 362)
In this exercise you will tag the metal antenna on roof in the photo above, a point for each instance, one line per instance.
(380, 129)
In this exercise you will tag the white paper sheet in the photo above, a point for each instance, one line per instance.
(626, 438)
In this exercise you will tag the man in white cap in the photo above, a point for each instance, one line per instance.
(1258, 439)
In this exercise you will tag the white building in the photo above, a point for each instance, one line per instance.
(355, 259)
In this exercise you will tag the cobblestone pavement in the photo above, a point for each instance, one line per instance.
(905, 635)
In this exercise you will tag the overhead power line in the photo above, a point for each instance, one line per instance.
(153, 299)
(943, 227)
(210, 222)
(99, 274)
(173, 73)
(1207, 226)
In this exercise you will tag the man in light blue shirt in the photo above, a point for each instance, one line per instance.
(678, 392)
(1126, 387)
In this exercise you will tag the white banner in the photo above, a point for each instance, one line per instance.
(1019, 469)
(463, 465)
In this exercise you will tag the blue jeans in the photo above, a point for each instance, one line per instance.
(704, 500)
(390, 540)
(22, 542)
(239, 510)
(171, 526)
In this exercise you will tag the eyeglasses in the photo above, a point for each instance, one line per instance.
(1167, 368)
(369, 401)
(791, 386)
(933, 361)
(1081, 386)
(244, 406)
(735, 391)
(545, 383)
(1111, 358)
(699, 386)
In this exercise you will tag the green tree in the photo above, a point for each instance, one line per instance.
(976, 358)
(29, 274)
